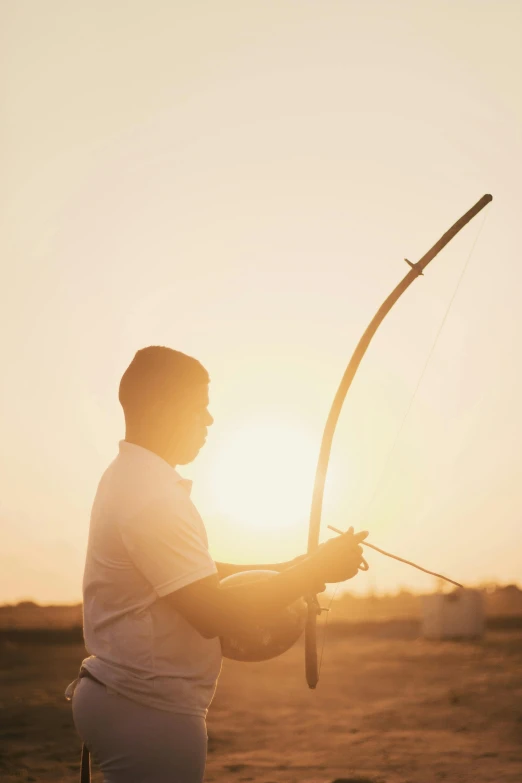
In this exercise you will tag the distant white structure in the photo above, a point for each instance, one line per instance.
(457, 615)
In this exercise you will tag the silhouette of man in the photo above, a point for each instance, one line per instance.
(153, 606)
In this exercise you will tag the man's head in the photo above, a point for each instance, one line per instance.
(164, 396)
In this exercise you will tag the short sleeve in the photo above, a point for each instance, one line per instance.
(165, 546)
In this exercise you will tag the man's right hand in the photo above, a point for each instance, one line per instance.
(339, 558)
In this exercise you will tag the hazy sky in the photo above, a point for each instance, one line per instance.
(241, 181)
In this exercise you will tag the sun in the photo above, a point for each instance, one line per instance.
(263, 475)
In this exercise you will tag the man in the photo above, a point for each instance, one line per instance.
(153, 606)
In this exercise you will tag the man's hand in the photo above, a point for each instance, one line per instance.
(340, 558)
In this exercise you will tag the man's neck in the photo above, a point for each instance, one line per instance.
(151, 443)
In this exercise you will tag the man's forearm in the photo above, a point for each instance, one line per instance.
(242, 608)
(227, 569)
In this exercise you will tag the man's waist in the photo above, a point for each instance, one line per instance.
(107, 670)
(84, 672)
(180, 692)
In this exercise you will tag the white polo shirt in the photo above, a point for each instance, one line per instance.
(146, 540)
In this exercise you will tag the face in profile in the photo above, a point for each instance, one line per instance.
(192, 422)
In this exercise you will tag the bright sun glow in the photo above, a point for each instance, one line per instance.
(263, 475)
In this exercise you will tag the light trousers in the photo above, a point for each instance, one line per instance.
(132, 743)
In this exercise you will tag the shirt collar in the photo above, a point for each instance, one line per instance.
(154, 461)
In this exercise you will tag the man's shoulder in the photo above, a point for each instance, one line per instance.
(124, 486)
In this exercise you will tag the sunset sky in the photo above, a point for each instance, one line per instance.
(242, 181)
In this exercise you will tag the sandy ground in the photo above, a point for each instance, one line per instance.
(387, 710)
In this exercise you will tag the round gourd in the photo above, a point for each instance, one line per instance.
(274, 638)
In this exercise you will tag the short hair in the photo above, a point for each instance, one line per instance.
(158, 374)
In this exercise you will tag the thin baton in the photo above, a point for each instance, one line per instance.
(400, 559)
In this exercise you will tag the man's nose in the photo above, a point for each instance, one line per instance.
(209, 419)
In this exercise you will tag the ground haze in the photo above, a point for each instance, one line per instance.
(390, 708)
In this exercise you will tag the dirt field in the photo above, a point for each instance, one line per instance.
(387, 710)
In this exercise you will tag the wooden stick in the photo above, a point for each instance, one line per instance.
(401, 559)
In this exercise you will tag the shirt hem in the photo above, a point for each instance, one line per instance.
(195, 713)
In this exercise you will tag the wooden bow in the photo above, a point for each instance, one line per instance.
(312, 673)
